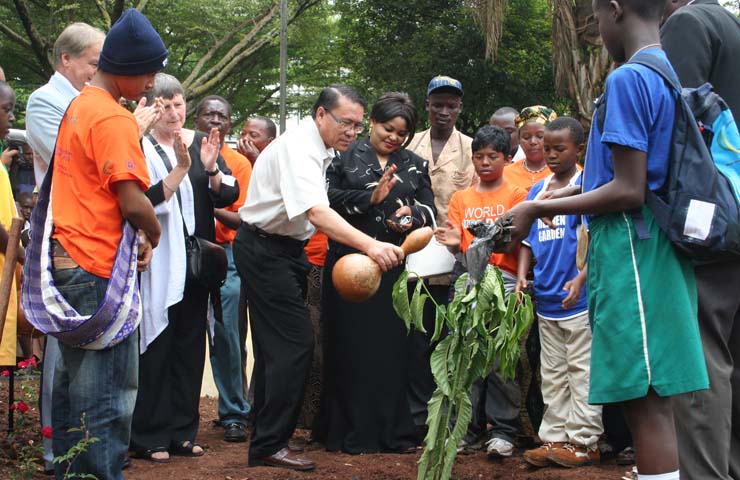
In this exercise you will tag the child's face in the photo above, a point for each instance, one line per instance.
(489, 164)
(561, 152)
(607, 17)
(7, 105)
(531, 139)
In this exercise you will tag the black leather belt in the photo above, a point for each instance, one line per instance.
(287, 242)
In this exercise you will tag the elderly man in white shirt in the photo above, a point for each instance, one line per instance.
(286, 203)
(76, 53)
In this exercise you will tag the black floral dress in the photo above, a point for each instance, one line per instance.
(364, 406)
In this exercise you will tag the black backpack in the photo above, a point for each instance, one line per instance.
(698, 206)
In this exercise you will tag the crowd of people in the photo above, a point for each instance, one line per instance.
(128, 203)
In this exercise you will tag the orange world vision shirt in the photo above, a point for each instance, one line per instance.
(241, 169)
(97, 146)
(469, 206)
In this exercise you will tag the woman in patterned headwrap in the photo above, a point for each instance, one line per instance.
(531, 123)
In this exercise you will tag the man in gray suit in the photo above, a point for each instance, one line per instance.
(702, 40)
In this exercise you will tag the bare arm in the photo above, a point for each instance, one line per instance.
(230, 219)
(137, 209)
(337, 228)
(525, 259)
(625, 192)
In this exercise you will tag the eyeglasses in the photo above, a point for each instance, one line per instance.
(358, 128)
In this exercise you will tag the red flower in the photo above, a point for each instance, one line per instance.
(5, 373)
(22, 364)
(32, 362)
(20, 405)
(46, 432)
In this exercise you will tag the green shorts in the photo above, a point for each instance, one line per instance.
(642, 306)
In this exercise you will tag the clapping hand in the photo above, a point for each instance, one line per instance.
(385, 185)
(209, 149)
(147, 116)
(181, 152)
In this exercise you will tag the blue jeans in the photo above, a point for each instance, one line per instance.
(99, 384)
(226, 356)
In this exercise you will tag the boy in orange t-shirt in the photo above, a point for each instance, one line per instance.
(491, 198)
(98, 180)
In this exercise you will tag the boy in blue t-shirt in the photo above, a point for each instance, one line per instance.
(642, 294)
(570, 426)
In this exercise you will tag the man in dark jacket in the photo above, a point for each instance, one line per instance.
(702, 40)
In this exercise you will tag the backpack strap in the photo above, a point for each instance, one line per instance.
(661, 68)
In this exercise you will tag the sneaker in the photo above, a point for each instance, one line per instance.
(235, 432)
(630, 474)
(572, 455)
(538, 456)
(626, 456)
(498, 447)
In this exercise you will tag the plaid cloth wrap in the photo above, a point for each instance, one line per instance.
(47, 309)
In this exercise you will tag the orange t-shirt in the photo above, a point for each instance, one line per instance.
(241, 169)
(516, 174)
(316, 248)
(97, 146)
(469, 205)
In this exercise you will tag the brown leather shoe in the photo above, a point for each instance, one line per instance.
(284, 459)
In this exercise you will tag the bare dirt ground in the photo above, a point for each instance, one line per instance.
(228, 461)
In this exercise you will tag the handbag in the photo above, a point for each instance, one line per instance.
(432, 260)
(206, 261)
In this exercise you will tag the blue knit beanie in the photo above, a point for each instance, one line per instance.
(132, 47)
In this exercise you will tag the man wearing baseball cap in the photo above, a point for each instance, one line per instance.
(99, 178)
(451, 169)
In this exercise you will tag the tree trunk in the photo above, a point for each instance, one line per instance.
(580, 61)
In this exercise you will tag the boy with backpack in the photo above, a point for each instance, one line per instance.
(642, 293)
(570, 426)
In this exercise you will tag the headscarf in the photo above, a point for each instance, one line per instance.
(538, 113)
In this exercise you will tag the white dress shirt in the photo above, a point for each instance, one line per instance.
(289, 178)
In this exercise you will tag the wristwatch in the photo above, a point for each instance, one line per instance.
(213, 172)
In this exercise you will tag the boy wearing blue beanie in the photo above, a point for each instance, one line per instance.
(99, 178)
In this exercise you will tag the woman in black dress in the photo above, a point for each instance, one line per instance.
(384, 190)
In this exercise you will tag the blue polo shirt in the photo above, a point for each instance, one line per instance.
(555, 251)
(640, 112)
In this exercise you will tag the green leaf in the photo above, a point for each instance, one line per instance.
(417, 308)
(401, 299)
(439, 322)
(434, 418)
(438, 362)
(470, 297)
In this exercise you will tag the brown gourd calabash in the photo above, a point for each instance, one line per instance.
(357, 277)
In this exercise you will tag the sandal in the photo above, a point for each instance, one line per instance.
(149, 455)
(186, 449)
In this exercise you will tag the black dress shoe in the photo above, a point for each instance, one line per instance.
(235, 432)
(284, 459)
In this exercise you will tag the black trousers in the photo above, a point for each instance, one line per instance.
(274, 270)
(170, 376)
(708, 421)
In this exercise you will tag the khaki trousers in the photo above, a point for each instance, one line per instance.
(565, 364)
